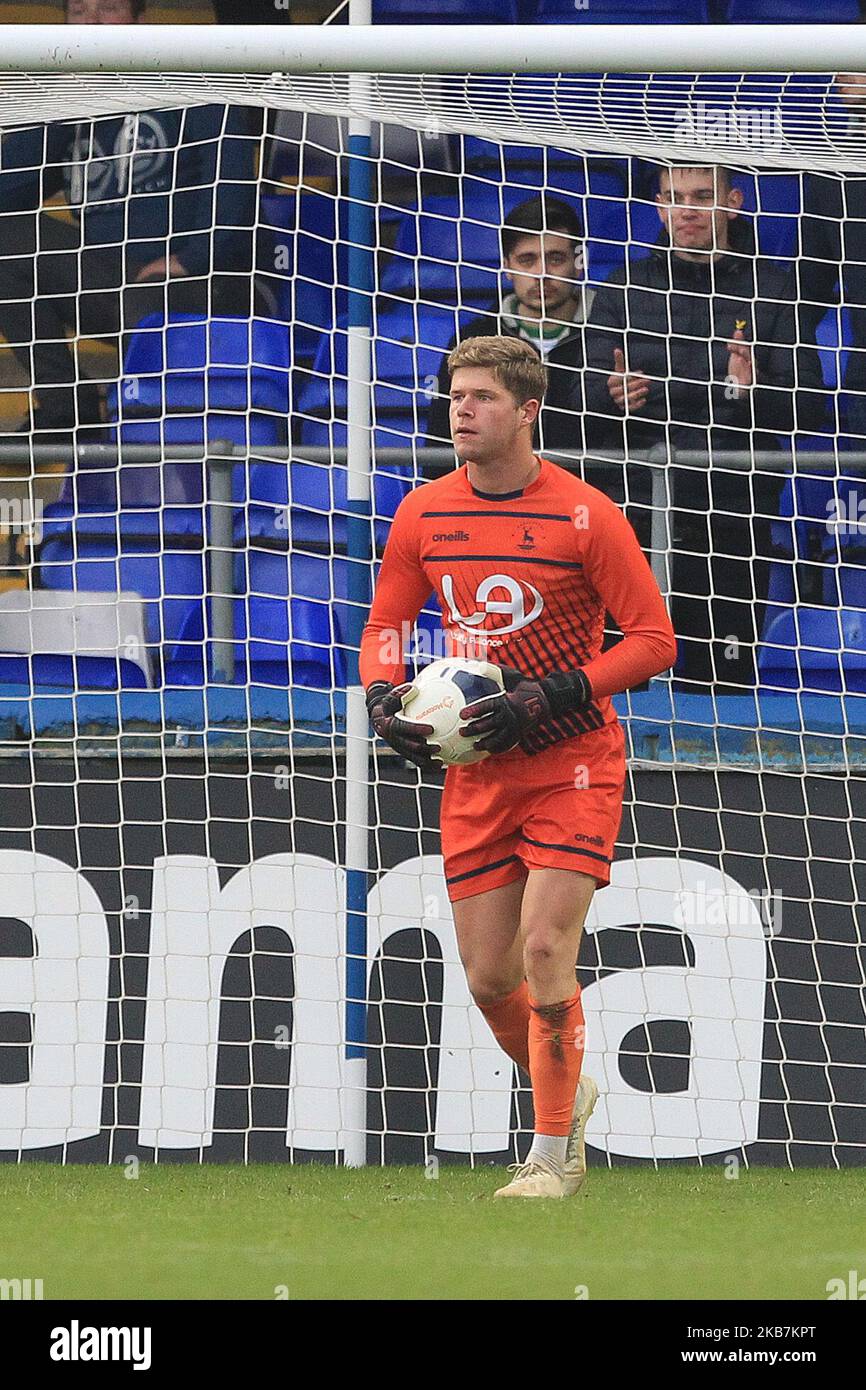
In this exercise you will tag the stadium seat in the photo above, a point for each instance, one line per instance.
(445, 12)
(833, 338)
(440, 255)
(170, 580)
(526, 168)
(310, 264)
(451, 252)
(282, 642)
(89, 641)
(199, 364)
(193, 378)
(815, 649)
(777, 201)
(308, 502)
(408, 350)
(793, 12)
(819, 544)
(622, 12)
(60, 670)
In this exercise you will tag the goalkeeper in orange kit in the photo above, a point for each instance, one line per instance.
(525, 559)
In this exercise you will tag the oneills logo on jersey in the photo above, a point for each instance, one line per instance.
(514, 606)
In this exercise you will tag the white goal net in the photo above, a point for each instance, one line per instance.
(226, 301)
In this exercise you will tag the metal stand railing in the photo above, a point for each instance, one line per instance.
(221, 456)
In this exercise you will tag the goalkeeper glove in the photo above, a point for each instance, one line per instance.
(501, 722)
(384, 701)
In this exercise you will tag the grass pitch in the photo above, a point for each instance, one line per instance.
(313, 1232)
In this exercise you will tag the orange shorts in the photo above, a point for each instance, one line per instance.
(559, 809)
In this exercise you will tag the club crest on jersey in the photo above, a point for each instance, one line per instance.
(522, 604)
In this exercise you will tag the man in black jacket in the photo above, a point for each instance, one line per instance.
(162, 208)
(696, 347)
(542, 252)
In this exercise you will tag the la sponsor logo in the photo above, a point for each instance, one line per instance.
(77, 1343)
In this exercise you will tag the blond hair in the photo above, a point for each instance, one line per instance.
(515, 364)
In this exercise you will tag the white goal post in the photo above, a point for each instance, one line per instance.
(433, 48)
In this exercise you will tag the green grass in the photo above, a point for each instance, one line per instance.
(235, 1232)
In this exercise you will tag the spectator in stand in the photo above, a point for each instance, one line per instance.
(542, 252)
(696, 347)
(162, 210)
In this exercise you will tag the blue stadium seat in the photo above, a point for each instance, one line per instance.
(820, 534)
(143, 496)
(226, 377)
(644, 225)
(777, 200)
(283, 642)
(527, 168)
(451, 252)
(310, 263)
(445, 12)
(318, 510)
(815, 649)
(217, 363)
(71, 672)
(793, 12)
(408, 351)
(172, 581)
(440, 256)
(833, 337)
(622, 12)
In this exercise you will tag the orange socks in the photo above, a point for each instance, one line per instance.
(509, 1022)
(556, 1041)
(547, 1040)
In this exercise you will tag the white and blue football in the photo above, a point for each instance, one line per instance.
(439, 695)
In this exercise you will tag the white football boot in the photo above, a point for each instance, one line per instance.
(532, 1179)
(575, 1154)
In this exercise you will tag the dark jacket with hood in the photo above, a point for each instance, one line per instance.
(673, 319)
(158, 183)
(559, 425)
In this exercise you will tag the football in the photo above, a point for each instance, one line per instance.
(439, 695)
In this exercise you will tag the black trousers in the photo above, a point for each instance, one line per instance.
(51, 284)
(721, 554)
(719, 562)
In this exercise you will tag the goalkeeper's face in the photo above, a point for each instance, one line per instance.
(487, 424)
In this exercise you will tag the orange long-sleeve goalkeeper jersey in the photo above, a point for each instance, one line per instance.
(523, 579)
